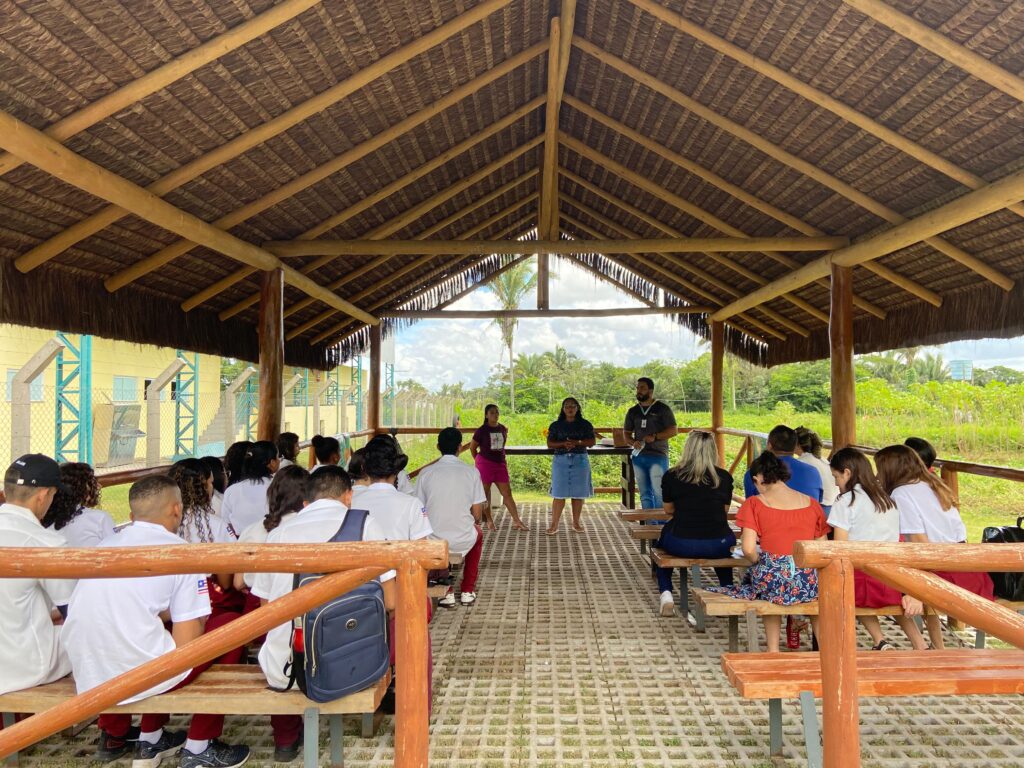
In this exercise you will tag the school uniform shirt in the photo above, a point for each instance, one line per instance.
(921, 512)
(855, 513)
(404, 484)
(448, 489)
(217, 502)
(829, 489)
(31, 652)
(257, 534)
(401, 517)
(282, 463)
(114, 625)
(315, 524)
(217, 531)
(803, 478)
(245, 503)
(86, 529)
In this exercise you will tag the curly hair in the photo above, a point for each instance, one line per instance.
(286, 494)
(770, 467)
(191, 476)
(81, 490)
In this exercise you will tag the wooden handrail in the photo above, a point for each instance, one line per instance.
(928, 557)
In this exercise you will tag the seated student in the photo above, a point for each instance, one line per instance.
(803, 478)
(403, 482)
(400, 516)
(31, 652)
(927, 513)
(327, 451)
(924, 449)
(115, 625)
(808, 450)
(453, 494)
(245, 502)
(357, 470)
(288, 449)
(697, 494)
(286, 497)
(72, 513)
(220, 481)
(777, 516)
(864, 512)
(234, 460)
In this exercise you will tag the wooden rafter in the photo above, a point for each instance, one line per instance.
(50, 156)
(262, 133)
(494, 314)
(167, 73)
(548, 211)
(792, 161)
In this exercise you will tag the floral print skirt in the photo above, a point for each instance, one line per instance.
(777, 579)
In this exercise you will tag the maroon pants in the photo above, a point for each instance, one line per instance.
(471, 563)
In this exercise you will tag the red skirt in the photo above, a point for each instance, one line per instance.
(869, 592)
(980, 583)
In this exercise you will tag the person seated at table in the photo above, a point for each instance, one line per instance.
(287, 449)
(73, 514)
(924, 449)
(234, 460)
(245, 502)
(928, 513)
(777, 517)
(286, 497)
(327, 451)
(31, 651)
(569, 436)
(803, 478)
(864, 512)
(697, 493)
(808, 450)
(454, 497)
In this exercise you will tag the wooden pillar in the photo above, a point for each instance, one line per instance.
(373, 398)
(840, 336)
(271, 329)
(412, 704)
(717, 407)
(837, 628)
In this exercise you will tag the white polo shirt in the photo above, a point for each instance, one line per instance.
(448, 489)
(921, 512)
(257, 534)
(245, 503)
(404, 483)
(856, 514)
(31, 653)
(315, 524)
(400, 516)
(86, 529)
(114, 625)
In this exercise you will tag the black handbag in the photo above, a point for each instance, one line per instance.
(1009, 586)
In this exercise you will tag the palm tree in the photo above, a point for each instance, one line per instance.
(932, 368)
(510, 287)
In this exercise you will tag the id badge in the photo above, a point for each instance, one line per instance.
(643, 423)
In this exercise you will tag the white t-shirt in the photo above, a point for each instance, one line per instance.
(257, 534)
(219, 533)
(86, 529)
(920, 512)
(856, 514)
(400, 516)
(216, 502)
(245, 503)
(282, 463)
(114, 625)
(315, 524)
(31, 653)
(404, 483)
(829, 489)
(448, 489)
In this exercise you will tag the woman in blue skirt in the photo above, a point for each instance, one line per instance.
(569, 437)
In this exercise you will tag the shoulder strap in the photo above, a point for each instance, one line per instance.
(352, 526)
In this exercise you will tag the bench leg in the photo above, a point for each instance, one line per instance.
(979, 638)
(370, 722)
(684, 594)
(775, 727)
(337, 741)
(311, 738)
(698, 611)
(753, 644)
(734, 634)
(12, 759)
(812, 737)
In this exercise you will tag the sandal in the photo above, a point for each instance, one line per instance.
(578, 528)
(551, 531)
(883, 645)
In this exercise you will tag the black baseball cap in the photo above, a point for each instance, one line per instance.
(35, 470)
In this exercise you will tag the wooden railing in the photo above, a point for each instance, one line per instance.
(345, 566)
(905, 568)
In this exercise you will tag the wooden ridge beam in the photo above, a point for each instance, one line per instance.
(487, 314)
(262, 133)
(548, 214)
(972, 206)
(52, 157)
(167, 73)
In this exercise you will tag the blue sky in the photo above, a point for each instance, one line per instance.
(437, 352)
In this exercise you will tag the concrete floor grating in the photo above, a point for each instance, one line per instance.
(563, 662)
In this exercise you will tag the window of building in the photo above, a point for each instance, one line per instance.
(35, 389)
(126, 389)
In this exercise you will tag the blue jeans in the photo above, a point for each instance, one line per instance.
(648, 471)
(703, 548)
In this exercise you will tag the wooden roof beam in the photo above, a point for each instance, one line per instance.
(262, 133)
(52, 157)
(970, 207)
(167, 73)
(493, 314)
(838, 186)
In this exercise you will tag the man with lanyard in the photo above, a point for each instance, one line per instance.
(649, 425)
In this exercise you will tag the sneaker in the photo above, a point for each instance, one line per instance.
(448, 601)
(884, 645)
(287, 752)
(149, 755)
(217, 755)
(667, 606)
(113, 747)
(467, 598)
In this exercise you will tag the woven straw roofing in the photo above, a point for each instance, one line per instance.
(58, 57)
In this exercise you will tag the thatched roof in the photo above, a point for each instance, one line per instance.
(647, 93)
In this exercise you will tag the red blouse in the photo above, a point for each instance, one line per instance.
(777, 529)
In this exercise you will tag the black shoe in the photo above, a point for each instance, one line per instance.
(113, 747)
(217, 755)
(149, 755)
(288, 752)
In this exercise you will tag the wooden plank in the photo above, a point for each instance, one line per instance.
(486, 314)
(412, 704)
(717, 399)
(837, 637)
(928, 557)
(716, 604)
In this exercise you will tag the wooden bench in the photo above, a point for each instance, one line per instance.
(689, 571)
(437, 591)
(228, 689)
(777, 676)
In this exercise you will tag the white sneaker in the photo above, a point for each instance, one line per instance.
(448, 601)
(667, 605)
(467, 598)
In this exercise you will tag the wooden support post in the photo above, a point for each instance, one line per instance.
(840, 336)
(271, 332)
(952, 479)
(21, 396)
(717, 408)
(373, 399)
(412, 704)
(837, 638)
(156, 386)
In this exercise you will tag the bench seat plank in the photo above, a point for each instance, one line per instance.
(716, 604)
(662, 560)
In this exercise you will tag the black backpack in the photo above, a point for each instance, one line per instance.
(1009, 586)
(342, 646)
